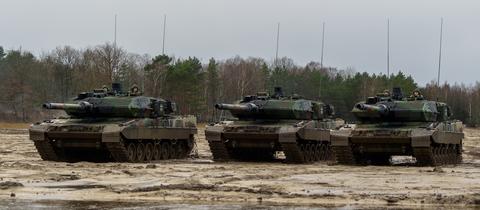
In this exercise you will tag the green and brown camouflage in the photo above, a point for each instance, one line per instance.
(398, 125)
(278, 109)
(264, 125)
(116, 106)
(113, 126)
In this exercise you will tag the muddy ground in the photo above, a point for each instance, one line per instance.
(25, 177)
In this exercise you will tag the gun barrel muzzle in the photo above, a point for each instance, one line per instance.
(381, 108)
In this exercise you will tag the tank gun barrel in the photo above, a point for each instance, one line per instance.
(237, 107)
(380, 109)
(83, 106)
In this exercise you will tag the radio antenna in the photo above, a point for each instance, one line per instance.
(163, 38)
(276, 50)
(388, 48)
(440, 52)
(323, 44)
(115, 32)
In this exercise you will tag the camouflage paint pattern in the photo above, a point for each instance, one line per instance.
(263, 125)
(102, 125)
(400, 126)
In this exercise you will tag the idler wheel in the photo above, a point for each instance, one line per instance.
(132, 152)
(149, 152)
(157, 152)
(140, 152)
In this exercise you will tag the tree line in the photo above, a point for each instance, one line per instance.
(59, 75)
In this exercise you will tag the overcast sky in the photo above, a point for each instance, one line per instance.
(355, 33)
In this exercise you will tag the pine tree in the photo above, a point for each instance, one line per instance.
(213, 84)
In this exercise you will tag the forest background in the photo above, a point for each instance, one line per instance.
(27, 81)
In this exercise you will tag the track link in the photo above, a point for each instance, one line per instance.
(439, 154)
(46, 151)
(141, 152)
(307, 151)
(118, 151)
(293, 153)
(219, 151)
(344, 155)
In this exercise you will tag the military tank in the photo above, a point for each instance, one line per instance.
(404, 126)
(262, 126)
(109, 125)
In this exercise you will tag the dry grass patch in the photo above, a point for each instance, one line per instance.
(6, 125)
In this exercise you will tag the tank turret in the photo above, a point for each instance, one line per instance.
(135, 107)
(105, 103)
(262, 106)
(397, 108)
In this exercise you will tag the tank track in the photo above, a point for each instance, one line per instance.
(293, 153)
(344, 155)
(118, 151)
(219, 151)
(46, 151)
(147, 150)
(439, 154)
(307, 151)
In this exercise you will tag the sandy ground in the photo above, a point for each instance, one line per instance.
(24, 176)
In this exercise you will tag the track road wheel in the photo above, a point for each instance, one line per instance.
(156, 152)
(316, 152)
(140, 152)
(326, 152)
(149, 152)
(132, 152)
(164, 150)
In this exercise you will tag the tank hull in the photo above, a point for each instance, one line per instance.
(440, 144)
(118, 140)
(300, 141)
